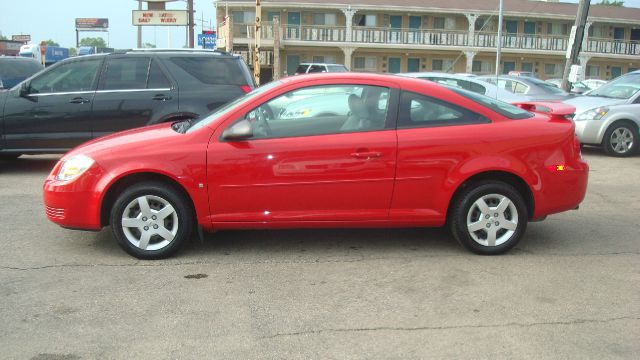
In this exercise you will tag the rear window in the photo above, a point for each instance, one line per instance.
(302, 69)
(18, 69)
(502, 108)
(212, 70)
(337, 68)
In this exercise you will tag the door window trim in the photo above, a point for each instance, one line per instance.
(94, 83)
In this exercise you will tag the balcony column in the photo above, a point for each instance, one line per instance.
(583, 59)
(470, 55)
(472, 28)
(348, 51)
(348, 13)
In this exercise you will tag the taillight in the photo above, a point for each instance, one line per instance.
(557, 167)
(245, 88)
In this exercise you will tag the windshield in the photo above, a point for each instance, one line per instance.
(623, 87)
(223, 110)
(502, 108)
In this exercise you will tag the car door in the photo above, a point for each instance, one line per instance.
(133, 91)
(303, 164)
(53, 110)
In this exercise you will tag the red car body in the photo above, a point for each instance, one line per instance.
(391, 178)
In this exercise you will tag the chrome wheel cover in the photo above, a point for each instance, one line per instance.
(621, 140)
(492, 220)
(149, 222)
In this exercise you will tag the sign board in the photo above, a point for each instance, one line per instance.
(92, 23)
(575, 74)
(23, 38)
(572, 39)
(160, 17)
(209, 40)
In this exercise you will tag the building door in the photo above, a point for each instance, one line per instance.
(415, 22)
(293, 25)
(508, 66)
(527, 66)
(413, 65)
(395, 35)
(292, 64)
(394, 65)
(529, 33)
(510, 38)
(615, 71)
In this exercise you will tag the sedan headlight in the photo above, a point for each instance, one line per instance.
(73, 167)
(593, 114)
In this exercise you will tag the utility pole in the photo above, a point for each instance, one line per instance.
(139, 27)
(499, 44)
(190, 12)
(276, 48)
(575, 42)
(256, 49)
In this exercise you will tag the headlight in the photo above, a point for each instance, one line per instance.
(74, 167)
(593, 114)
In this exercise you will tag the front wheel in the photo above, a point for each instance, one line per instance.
(151, 220)
(489, 218)
(621, 140)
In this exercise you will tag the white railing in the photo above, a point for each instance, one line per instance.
(610, 46)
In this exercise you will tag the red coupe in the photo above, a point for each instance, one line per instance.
(328, 150)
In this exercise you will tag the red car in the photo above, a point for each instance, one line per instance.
(328, 150)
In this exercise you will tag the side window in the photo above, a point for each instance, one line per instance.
(73, 76)
(520, 88)
(157, 79)
(476, 88)
(321, 110)
(125, 73)
(421, 111)
(316, 69)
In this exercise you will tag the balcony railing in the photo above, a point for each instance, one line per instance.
(433, 37)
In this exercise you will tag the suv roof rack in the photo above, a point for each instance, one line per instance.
(173, 50)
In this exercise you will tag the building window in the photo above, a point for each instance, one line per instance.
(557, 29)
(441, 65)
(365, 20)
(485, 24)
(324, 19)
(365, 63)
(324, 59)
(244, 17)
(527, 66)
(438, 23)
(481, 67)
(592, 71)
(551, 69)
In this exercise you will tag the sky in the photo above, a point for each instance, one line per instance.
(47, 19)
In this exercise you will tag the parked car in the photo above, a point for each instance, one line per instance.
(609, 116)
(432, 154)
(522, 73)
(309, 68)
(577, 87)
(594, 83)
(534, 89)
(90, 96)
(469, 83)
(15, 69)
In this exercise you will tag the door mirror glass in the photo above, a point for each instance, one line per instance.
(241, 130)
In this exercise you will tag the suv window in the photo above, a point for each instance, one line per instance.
(125, 73)
(157, 79)
(72, 76)
(302, 69)
(212, 70)
(335, 109)
(316, 69)
(421, 111)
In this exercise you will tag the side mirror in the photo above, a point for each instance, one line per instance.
(24, 89)
(239, 131)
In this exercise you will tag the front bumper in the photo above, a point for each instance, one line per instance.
(588, 131)
(74, 204)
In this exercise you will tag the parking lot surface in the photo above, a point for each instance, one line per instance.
(570, 289)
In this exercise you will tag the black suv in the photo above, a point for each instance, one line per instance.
(89, 96)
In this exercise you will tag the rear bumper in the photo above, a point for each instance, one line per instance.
(562, 190)
(73, 204)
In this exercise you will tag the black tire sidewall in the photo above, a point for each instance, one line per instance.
(174, 197)
(607, 139)
(464, 202)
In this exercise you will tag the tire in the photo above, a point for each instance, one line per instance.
(9, 156)
(507, 225)
(621, 139)
(143, 236)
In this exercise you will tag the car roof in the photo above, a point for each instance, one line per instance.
(441, 75)
(356, 76)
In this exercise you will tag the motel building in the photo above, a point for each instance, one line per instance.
(458, 36)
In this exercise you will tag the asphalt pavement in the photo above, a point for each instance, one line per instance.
(570, 289)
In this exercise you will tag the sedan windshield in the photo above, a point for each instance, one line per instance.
(230, 106)
(623, 87)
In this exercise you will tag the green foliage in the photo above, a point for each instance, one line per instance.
(96, 41)
(73, 52)
(51, 43)
(148, 45)
(2, 37)
(612, 2)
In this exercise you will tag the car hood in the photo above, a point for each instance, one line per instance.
(584, 103)
(137, 140)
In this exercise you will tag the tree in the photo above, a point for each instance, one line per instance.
(51, 43)
(2, 37)
(148, 45)
(612, 2)
(73, 52)
(96, 41)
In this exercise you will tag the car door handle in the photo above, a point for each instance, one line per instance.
(366, 155)
(161, 97)
(79, 100)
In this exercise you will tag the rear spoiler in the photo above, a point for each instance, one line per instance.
(555, 109)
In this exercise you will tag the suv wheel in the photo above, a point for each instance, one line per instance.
(621, 139)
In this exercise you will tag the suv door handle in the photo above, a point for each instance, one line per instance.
(366, 155)
(161, 97)
(78, 100)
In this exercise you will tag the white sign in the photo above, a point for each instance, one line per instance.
(572, 39)
(160, 17)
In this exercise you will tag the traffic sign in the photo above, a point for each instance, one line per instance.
(209, 40)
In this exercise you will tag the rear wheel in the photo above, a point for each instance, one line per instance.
(489, 217)
(151, 220)
(621, 139)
